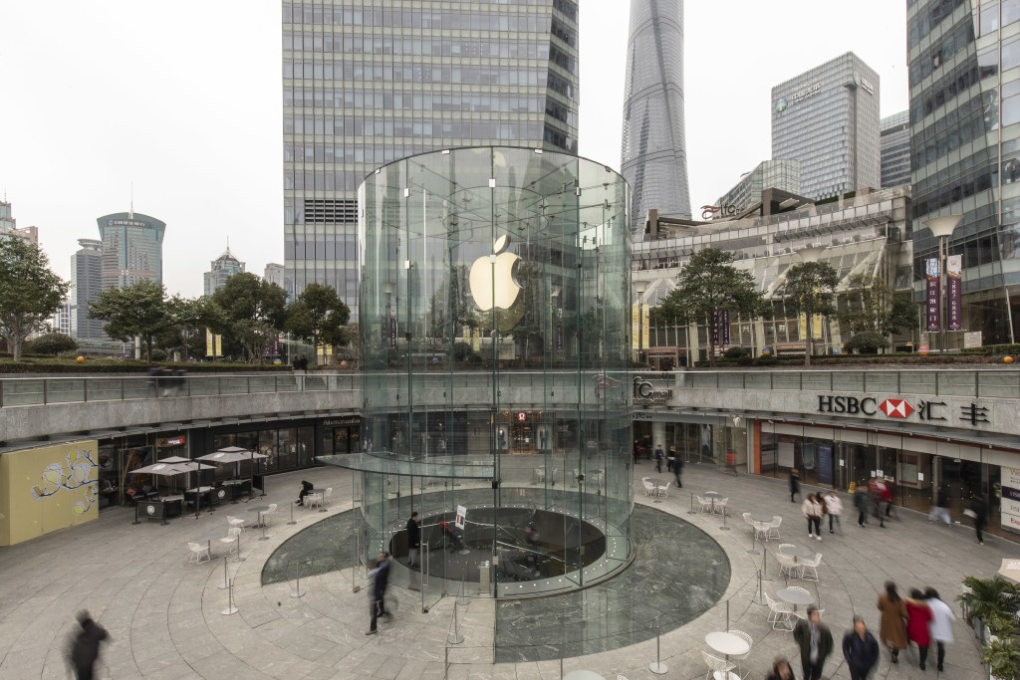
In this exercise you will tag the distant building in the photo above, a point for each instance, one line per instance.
(132, 249)
(827, 118)
(274, 274)
(221, 269)
(86, 284)
(781, 174)
(654, 148)
(896, 149)
(60, 322)
(9, 226)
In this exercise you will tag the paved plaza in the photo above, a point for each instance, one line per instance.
(165, 615)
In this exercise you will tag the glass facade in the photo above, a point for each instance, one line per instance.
(965, 151)
(782, 174)
(828, 119)
(654, 158)
(132, 249)
(495, 322)
(366, 83)
(896, 149)
(221, 269)
(86, 283)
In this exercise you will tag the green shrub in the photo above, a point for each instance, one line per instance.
(736, 352)
(867, 342)
(51, 344)
(766, 361)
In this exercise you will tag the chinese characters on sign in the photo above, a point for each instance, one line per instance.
(954, 292)
(933, 315)
(901, 409)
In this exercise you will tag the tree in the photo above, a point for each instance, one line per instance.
(53, 344)
(29, 292)
(140, 310)
(872, 305)
(710, 282)
(251, 311)
(809, 291)
(318, 316)
(866, 342)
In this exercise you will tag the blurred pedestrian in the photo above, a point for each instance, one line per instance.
(678, 468)
(659, 455)
(377, 594)
(979, 510)
(861, 504)
(940, 508)
(815, 642)
(413, 541)
(941, 626)
(918, 618)
(834, 506)
(84, 651)
(794, 484)
(860, 649)
(781, 670)
(893, 631)
(812, 510)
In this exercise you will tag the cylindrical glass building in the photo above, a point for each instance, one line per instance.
(495, 334)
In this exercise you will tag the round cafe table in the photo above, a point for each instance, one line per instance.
(583, 675)
(712, 496)
(794, 597)
(762, 517)
(798, 552)
(259, 509)
(727, 643)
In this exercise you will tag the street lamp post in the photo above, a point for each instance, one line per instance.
(810, 254)
(942, 228)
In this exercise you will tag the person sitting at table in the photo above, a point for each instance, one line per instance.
(306, 487)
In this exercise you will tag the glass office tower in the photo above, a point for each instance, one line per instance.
(367, 82)
(828, 119)
(654, 158)
(132, 249)
(494, 322)
(965, 147)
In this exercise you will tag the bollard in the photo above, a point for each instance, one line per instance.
(758, 597)
(727, 616)
(446, 663)
(297, 592)
(322, 499)
(754, 535)
(226, 581)
(231, 609)
(264, 537)
(724, 527)
(239, 558)
(291, 522)
(764, 563)
(691, 511)
(455, 638)
(657, 667)
(462, 599)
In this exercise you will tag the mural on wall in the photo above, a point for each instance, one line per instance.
(78, 470)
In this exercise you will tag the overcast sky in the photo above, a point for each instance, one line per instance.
(183, 100)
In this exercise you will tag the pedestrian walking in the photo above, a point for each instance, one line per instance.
(377, 594)
(918, 618)
(877, 490)
(893, 630)
(815, 642)
(941, 626)
(860, 649)
(781, 670)
(834, 506)
(678, 468)
(659, 455)
(84, 650)
(979, 512)
(940, 508)
(812, 510)
(794, 484)
(413, 541)
(861, 505)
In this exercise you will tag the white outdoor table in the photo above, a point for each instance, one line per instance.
(727, 643)
(583, 675)
(794, 597)
(712, 495)
(762, 517)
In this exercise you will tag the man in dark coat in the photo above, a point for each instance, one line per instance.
(378, 592)
(815, 642)
(413, 541)
(305, 488)
(85, 649)
(860, 649)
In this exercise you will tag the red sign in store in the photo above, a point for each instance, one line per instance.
(896, 408)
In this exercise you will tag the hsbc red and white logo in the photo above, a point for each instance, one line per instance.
(896, 408)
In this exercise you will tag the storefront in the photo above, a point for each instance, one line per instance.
(341, 435)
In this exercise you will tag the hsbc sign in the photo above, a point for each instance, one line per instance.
(896, 408)
(868, 406)
(919, 409)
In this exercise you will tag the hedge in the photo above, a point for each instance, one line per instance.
(92, 367)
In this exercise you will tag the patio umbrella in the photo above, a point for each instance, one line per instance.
(233, 454)
(188, 464)
(1010, 569)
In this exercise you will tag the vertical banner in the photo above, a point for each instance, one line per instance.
(934, 315)
(726, 327)
(954, 292)
(715, 326)
(824, 464)
(635, 326)
(1010, 504)
(646, 325)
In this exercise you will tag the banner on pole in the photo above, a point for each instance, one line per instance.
(954, 292)
(932, 296)
(726, 327)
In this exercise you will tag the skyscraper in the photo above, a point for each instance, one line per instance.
(783, 174)
(9, 226)
(132, 249)
(273, 273)
(828, 119)
(365, 84)
(896, 149)
(654, 158)
(86, 284)
(965, 155)
(221, 269)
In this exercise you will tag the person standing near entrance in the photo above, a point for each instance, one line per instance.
(658, 457)
(815, 642)
(941, 626)
(861, 504)
(979, 510)
(794, 484)
(812, 510)
(381, 574)
(835, 508)
(413, 541)
(860, 649)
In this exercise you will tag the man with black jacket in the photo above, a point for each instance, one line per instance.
(860, 649)
(815, 642)
(378, 592)
(84, 651)
(413, 541)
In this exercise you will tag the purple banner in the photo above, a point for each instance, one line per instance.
(715, 326)
(932, 302)
(954, 292)
(726, 327)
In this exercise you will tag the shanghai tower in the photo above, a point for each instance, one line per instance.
(654, 158)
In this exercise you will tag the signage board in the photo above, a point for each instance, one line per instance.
(824, 464)
(1009, 507)
(461, 516)
(169, 441)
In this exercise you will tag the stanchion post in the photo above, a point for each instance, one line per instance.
(691, 511)
(238, 558)
(231, 609)
(561, 661)
(226, 581)
(724, 527)
(446, 663)
(758, 597)
(291, 522)
(297, 592)
(462, 598)
(264, 537)
(455, 638)
(137, 521)
(658, 667)
(764, 563)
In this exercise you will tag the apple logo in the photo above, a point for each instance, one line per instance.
(493, 279)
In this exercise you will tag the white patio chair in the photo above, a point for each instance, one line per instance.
(235, 522)
(761, 530)
(704, 504)
(267, 513)
(197, 552)
(718, 669)
(663, 490)
(779, 613)
(788, 565)
(720, 505)
(748, 521)
(798, 589)
(230, 540)
(805, 565)
(746, 638)
(774, 527)
(649, 488)
(327, 496)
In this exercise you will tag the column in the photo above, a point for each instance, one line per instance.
(659, 435)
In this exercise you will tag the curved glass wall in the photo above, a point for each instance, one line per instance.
(495, 329)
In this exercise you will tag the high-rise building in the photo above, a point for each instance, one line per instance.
(86, 284)
(132, 249)
(783, 174)
(896, 149)
(654, 158)
(965, 155)
(367, 83)
(273, 273)
(61, 321)
(9, 226)
(828, 119)
(221, 269)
